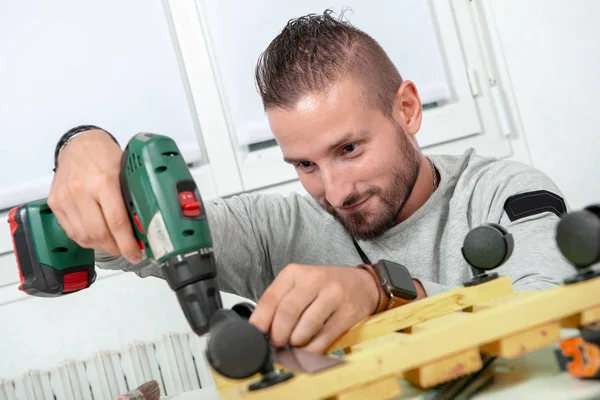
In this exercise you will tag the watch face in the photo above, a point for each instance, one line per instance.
(401, 283)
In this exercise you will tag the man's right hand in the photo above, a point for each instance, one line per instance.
(86, 196)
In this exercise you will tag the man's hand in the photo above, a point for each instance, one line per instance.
(311, 306)
(86, 196)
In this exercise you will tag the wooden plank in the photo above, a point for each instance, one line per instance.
(385, 389)
(224, 382)
(524, 342)
(400, 353)
(590, 316)
(585, 317)
(377, 341)
(497, 301)
(446, 369)
(435, 323)
(423, 310)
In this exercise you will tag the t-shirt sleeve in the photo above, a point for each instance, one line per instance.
(249, 232)
(536, 262)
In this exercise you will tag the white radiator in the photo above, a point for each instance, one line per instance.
(176, 361)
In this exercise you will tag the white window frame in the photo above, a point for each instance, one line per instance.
(188, 37)
(502, 134)
(468, 119)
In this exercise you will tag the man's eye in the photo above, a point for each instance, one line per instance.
(350, 148)
(305, 164)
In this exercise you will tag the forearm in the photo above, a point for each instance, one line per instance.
(239, 257)
(149, 268)
(143, 269)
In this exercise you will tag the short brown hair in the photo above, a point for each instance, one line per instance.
(313, 52)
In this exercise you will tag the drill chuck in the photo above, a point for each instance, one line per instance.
(193, 277)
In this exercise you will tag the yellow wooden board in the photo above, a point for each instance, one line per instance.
(435, 335)
(423, 310)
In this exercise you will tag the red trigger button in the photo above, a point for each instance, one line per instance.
(189, 204)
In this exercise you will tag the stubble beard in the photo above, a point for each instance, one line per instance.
(370, 224)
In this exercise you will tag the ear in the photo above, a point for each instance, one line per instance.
(408, 110)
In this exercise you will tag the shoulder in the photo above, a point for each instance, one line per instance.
(506, 174)
(470, 170)
(492, 185)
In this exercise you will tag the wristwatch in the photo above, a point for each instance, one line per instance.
(394, 283)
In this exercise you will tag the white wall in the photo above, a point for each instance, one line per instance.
(551, 55)
(118, 309)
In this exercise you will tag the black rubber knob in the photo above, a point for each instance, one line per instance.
(222, 314)
(236, 349)
(488, 246)
(244, 309)
(578, 237)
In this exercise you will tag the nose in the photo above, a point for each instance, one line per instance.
(338, 186)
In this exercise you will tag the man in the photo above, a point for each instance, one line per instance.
(346, 120)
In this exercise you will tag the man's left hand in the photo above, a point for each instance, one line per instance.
(311, 306)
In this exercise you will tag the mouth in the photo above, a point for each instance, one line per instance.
(353, 208)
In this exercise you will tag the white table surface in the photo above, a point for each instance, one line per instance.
(533, 376)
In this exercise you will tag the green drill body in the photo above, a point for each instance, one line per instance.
(170, 222)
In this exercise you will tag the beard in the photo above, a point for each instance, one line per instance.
(370, 224)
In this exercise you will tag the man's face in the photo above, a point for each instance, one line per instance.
(360, 166)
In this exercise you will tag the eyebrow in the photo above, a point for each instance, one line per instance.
(348, 137)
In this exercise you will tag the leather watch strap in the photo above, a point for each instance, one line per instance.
(384, 300)
(396, 302)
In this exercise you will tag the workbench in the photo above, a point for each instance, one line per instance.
(409, 351)
(534, 376)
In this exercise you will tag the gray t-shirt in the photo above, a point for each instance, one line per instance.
(256, 235)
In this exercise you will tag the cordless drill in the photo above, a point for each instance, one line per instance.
(168, 220)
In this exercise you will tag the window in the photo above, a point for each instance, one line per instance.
(221, 41)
